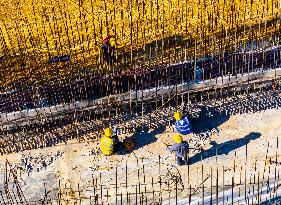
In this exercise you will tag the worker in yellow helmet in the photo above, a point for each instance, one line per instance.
(109, 142)
(183, 124)
(112, 46)
(180, 148)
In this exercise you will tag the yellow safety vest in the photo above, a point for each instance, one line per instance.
(106, 145)
(112, 42)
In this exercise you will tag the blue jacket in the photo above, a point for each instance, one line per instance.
(181, 149)
(183, 126)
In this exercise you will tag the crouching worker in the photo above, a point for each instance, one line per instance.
(180, 148)
(110, 142)
(183, 124)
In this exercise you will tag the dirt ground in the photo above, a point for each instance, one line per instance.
(247, 140)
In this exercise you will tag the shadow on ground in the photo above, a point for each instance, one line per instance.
(144, 137)
(208, 119)
(224, 148)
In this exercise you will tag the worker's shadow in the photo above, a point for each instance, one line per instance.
(208, 119)
(224, 148)
(143, 136)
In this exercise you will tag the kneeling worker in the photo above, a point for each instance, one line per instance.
(183, 125)
(180, 148)
(109, 142)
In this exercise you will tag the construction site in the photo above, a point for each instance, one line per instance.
(78, 74)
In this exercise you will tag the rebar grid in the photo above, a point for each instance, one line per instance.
(156, 181)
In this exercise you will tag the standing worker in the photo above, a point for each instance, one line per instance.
(109, 143)
(105, 47)
(180, 148)
(183, 125)
(112, 45)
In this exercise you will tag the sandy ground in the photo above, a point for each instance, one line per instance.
(245, 144)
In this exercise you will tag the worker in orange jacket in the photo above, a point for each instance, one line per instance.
(105, 47)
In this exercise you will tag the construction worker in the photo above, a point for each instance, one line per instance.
(109, 143)
(183, 125)
(112, 45)
(105, 47)
(180, 148)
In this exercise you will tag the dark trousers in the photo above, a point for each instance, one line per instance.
(112, 56)
(116, 146)
(105, 52)
(182, 160)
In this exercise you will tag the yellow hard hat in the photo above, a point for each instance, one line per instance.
(72, 194)
(108, 132)
(177, 138)
(177, 115)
